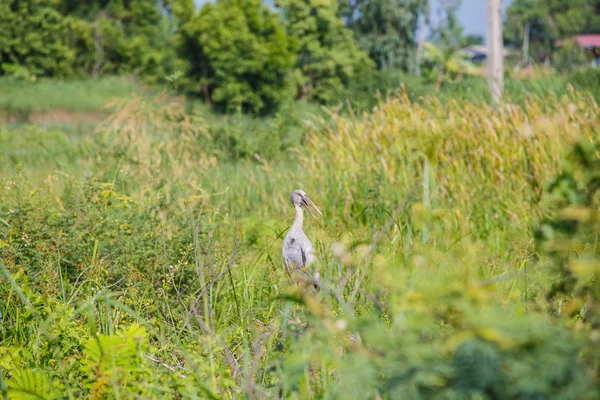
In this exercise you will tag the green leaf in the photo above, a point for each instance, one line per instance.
(29, 384)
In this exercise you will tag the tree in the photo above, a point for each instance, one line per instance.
(385, 29)
(446, 63)
(327, 56)
(182, 10)
(448, 32)
(550, 20)
(445, 60)
(471, 39)
(120, 36)
(239, 53)
(33, 35)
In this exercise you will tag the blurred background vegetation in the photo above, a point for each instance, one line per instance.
(148, 150)
(255, 56)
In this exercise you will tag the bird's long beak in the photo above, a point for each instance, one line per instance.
(309, 204)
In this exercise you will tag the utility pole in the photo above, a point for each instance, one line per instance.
(526, 44)
(495, 50)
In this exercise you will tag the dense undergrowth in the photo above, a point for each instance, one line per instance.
(138, 264)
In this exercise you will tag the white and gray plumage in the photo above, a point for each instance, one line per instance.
(298, 252)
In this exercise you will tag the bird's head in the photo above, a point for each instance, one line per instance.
(300, 199)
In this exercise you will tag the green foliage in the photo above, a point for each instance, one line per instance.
(327, 57)
(549, 21)
(569, 236)
(30, 384)
(487, 360)
(385, 29)
(67, 38)
(239, 136)
(470, 39)
(441, 64)
(443, 58)
(34, 36)
(569, 58)
(239, 54)
(183, 10)
(362, 92)
(116, 358)
(121, 37)
(366, 90)
(448, 32)
(586, 79)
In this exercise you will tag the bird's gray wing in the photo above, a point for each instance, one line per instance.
(294, 252)
(303, 256)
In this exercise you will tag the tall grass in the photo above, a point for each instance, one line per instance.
(364, 92)
(486, 162)
(149, 268)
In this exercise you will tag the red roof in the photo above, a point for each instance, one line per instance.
(584, 40)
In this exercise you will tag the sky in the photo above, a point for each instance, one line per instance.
(473, 16)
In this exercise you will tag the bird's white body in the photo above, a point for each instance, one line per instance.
(297, 250)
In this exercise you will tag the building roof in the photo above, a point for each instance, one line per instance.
(589, 41)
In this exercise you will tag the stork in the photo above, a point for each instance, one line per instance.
(298, 251)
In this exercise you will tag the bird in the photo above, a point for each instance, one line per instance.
(297, 250)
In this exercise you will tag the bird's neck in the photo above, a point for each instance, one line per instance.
(299, 216)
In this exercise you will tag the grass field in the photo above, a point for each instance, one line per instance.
(72, 95)
(457, 251)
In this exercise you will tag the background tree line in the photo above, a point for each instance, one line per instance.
(234, 53)
(548, 21)
(251, 55)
